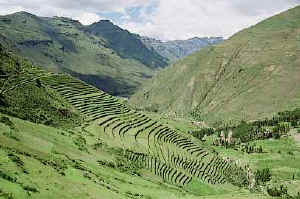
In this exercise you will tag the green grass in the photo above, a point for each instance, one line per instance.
(252, 75)
(41, 143)
(22, 94)
(99, 146)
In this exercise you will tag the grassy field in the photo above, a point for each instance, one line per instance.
(45, 161)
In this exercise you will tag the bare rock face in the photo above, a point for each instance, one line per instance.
(178, 49)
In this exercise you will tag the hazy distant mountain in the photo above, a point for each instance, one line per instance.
(177, 49)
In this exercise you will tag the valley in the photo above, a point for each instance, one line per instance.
(95, 111)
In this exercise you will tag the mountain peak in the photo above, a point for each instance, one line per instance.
(104, 22)
(24, 13)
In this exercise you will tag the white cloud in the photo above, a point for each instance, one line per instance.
(170, 19)
(175, 19)
(83, 10)
(87, 18)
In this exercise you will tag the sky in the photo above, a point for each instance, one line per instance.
(161, 19)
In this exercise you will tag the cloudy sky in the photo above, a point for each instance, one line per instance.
(163, 19)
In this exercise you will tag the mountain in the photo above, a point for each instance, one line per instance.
(126, 44)
(252, 75)
(178, 49)
(101, 54)
(60, 136)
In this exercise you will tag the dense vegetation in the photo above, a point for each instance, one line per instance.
(23, 95)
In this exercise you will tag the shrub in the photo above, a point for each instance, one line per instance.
(7, 122)
(262, 176)
(153, 108)
(11, 135)
(277, 192)
(30, 188)
(276, 135)
(202, 132)
(80, 142)
(242, 131)
(7, 177)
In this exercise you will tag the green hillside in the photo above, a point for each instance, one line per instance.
(63, 44)
(126, 44)
(252, 75)
(22, 95)
(62, 137)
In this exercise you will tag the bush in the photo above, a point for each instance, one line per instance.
(202, 132)
(243, 131)
(262, 176)
(7, 122)
(277, 192)
(80, 142)
(153, 108)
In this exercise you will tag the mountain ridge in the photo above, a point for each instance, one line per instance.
(251, 75)
(178, 49)
(63, 44)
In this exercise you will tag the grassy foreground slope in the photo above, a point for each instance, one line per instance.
(115, 152)
(252, 75)
(22, 95)
(62, 44)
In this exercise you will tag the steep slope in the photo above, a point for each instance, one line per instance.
(62, 44)
(251, 75)
(116, 149)
(22, 95)
(126, 44)
(178, 49)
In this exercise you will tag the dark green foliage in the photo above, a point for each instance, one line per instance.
(153, 108)
(251, 148)
(80, 142)
(11, 134)
(7, 122)
(6, 195)
(107, 163)
(97, 146)
(16, 159)
(275, 127)
(7, 177)
(31, 100)
(196, 115)
(128, 166)
(242, 131)
(30, 188)
(262, 176)
(277, 191)
(42, 108)
(202, 132)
